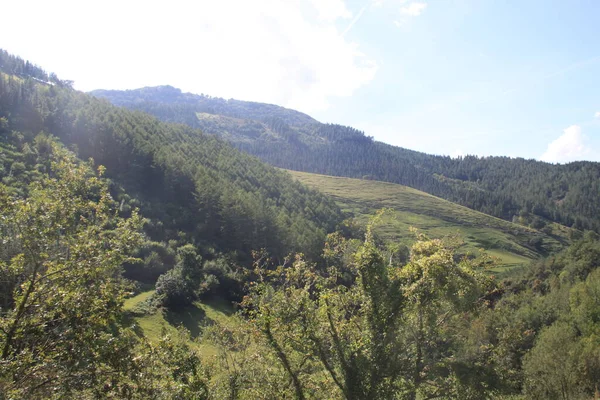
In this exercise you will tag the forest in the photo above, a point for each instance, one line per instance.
(508, 188)
(101, 204)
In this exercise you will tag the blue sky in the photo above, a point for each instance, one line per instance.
(485, 77)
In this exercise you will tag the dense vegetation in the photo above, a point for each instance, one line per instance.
(62, 332)
(501, 186)
(437, 326)
(432, 328)
(193, 188)
(167, 208)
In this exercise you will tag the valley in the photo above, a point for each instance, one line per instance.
(165, 245)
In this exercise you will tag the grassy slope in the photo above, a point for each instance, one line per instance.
(433, 216)
(194, 318)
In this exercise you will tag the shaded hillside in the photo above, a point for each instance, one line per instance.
(513, 189)
(192, 187)
(512, 243)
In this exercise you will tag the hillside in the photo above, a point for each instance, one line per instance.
(512, 189)
(125, 241)
(512, 244)
(191, 187)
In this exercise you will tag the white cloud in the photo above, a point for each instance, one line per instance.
(408, 12)
(287, 52)
(413, 9)
(330, 10)
(597, 114)
(357, 18)
(570, 146)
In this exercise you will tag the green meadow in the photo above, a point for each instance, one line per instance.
(194, 318)
(511, 244)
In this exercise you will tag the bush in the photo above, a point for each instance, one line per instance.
(209, 286)
(173, 289)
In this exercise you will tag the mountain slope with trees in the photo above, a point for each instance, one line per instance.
(349, 319)
(192, 188)
(508, 188)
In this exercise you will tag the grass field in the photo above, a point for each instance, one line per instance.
(194, 318)
(510, 243)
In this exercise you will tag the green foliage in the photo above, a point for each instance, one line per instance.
(61, 259)
(62, 331)
(386, 335)
(192, 187)
(171, 370)
(551, 368)
(174, 290)
(181, 285)
(582, 258)
(543, 332)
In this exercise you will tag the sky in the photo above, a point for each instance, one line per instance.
(518, 78)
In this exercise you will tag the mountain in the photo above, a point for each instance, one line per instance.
(182, 102)
(527, 191)
(125, 240)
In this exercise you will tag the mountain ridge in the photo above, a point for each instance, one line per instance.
(172, 95)
(508, 188)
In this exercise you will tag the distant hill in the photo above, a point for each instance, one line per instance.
(525, 191)
(168, 95)
(511, 243)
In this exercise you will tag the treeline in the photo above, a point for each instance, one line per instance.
(512, 189)
(192, 188)
(17, 66)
